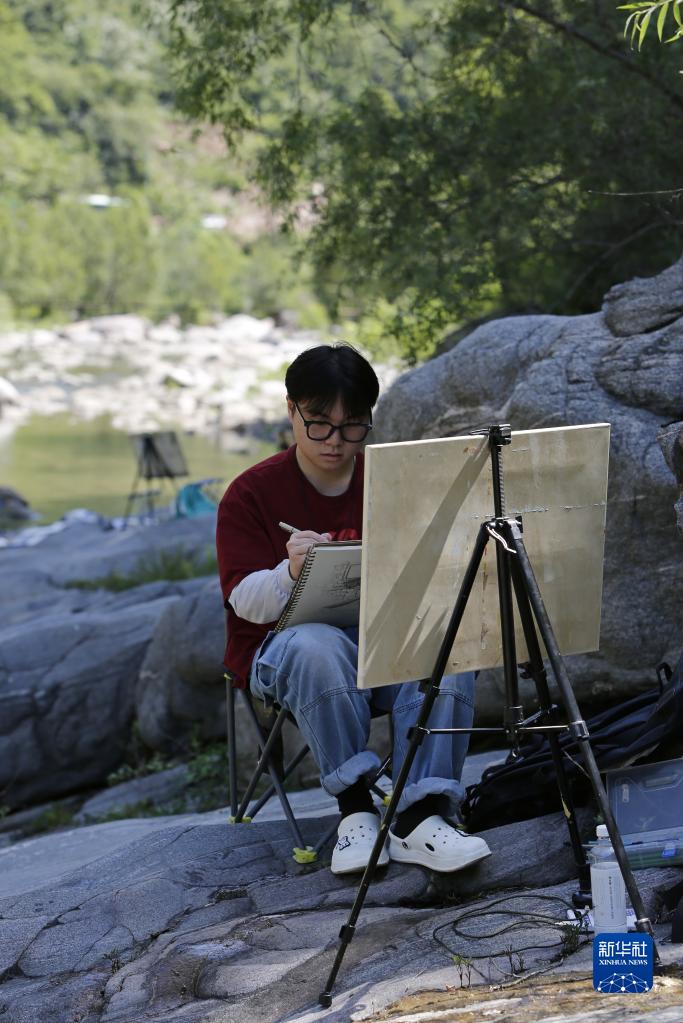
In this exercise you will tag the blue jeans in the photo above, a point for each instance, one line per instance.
(311, 670)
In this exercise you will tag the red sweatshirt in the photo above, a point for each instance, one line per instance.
(249, 539)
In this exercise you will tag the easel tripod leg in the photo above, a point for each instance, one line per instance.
(416, 736)
(538, 673)
(347, 931)
(131, 498)
(579, 730)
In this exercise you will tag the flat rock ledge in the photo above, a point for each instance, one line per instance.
(191, 920)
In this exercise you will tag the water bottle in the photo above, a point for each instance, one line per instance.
(607, 886)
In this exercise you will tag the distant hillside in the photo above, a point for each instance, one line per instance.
(107, 200)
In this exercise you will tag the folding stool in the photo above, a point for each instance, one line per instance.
(269, 740)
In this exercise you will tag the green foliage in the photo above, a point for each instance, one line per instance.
(86, 108)
(458, 160)
(199, 270)
(207, 778)
(140, 769)
(128, 811)
(208, 766)
(65, 258)
(139, 760)
(464, 967)
(6, 311)
(78, 81)
(638, 21)
(396, 331)
(172, 566)
(571, 935)
(50, 820)
(432, 164)
(272, 279)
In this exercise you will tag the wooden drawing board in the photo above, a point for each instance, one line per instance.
(423, 504)
(159, 455)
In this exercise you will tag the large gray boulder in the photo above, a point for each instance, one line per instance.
(645, 303)
(67, 697)
(161, 791)
(125, 551)
(536, 371)
(180, 687)
(73, 550)
(70, 655)
(670, 439)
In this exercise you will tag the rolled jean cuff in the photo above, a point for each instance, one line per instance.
(453, 790)
(357, 766)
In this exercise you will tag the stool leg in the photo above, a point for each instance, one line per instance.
(263, 764)
(270, 791)
(232, 748)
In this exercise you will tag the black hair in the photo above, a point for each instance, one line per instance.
(321, 375)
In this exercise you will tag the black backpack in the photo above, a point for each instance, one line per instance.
(648, 726)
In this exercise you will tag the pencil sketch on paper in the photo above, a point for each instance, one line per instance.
(345, 586)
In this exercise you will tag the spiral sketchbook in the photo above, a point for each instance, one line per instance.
(328, 589)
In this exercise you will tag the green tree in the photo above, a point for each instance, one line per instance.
(273, 279)
(199, 271)
(21, 92)
(120, 257)
(86, 107)
(41, 273)
(476, 157)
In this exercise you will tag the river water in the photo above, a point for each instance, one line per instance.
(57, 463)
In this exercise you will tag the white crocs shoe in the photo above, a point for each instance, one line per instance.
(439, 846)
(355, 839)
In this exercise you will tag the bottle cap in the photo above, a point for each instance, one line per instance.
(601, 831)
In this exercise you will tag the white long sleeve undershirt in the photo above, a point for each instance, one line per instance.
(261, 596)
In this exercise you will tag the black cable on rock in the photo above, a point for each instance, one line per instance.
(570, 933)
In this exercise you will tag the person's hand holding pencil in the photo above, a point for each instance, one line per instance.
(298, 545)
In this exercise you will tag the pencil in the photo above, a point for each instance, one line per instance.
(287, 528)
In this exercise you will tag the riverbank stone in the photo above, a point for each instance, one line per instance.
(190, 918)
(67, 698)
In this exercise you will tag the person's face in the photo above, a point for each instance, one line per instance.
(334, 454)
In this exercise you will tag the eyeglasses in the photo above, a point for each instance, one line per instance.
(319, 429)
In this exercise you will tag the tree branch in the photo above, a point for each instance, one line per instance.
(621, 244)
(630, 65)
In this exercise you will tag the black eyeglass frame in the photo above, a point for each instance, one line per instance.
(323, 422)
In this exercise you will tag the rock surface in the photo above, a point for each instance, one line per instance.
(188, 919)
(623, 365)
(213, 379)
(670, 439)
(71, 658)
(103, 660)
(13, 506)
(123, 800)
(67, 698)
(151, 654)
(180, 683)
(645, 303)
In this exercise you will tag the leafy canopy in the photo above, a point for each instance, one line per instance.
(86, 108)
(456, 160)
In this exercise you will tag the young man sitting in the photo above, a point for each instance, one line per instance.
(317, 485)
